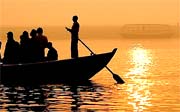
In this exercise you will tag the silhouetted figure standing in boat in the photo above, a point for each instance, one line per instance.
(42, 41)
(25, 47)
(52, 52)
(74, 30)
(12, 48)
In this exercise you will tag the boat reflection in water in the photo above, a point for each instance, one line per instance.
(138, 90)
(44, 98)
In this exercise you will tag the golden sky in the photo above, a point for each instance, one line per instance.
(90, 12)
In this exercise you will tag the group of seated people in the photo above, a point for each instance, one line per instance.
(29, 49)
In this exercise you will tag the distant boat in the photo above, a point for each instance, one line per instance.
(53, 72)
(146, 30)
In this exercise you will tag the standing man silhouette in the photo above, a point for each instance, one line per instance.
(74, 30)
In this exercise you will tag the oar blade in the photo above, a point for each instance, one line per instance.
(118, 79)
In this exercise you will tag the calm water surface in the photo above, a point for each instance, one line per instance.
(150, 68)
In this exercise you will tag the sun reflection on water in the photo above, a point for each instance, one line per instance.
(138, 86)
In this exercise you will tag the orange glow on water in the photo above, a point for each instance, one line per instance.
(139, 93)
(140, 60)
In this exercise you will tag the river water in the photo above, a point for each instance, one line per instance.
(149, 67)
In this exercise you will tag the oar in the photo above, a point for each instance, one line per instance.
(116, 77)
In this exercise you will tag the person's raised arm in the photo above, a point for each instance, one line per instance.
(68, 29)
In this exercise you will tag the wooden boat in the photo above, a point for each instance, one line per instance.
(53, 72)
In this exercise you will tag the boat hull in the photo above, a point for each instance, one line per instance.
(52, 72)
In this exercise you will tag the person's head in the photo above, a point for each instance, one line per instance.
(75, 18)
(25, 33)
(39, 30)
(21, 37)
(33, 33)
(10, 35)
(49, 44)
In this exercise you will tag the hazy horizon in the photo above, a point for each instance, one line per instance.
(120, 25)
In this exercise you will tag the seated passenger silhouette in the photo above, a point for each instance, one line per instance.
(34, 47)
(42, 41)
(25, 47)
(52, 52)
(11, 53)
